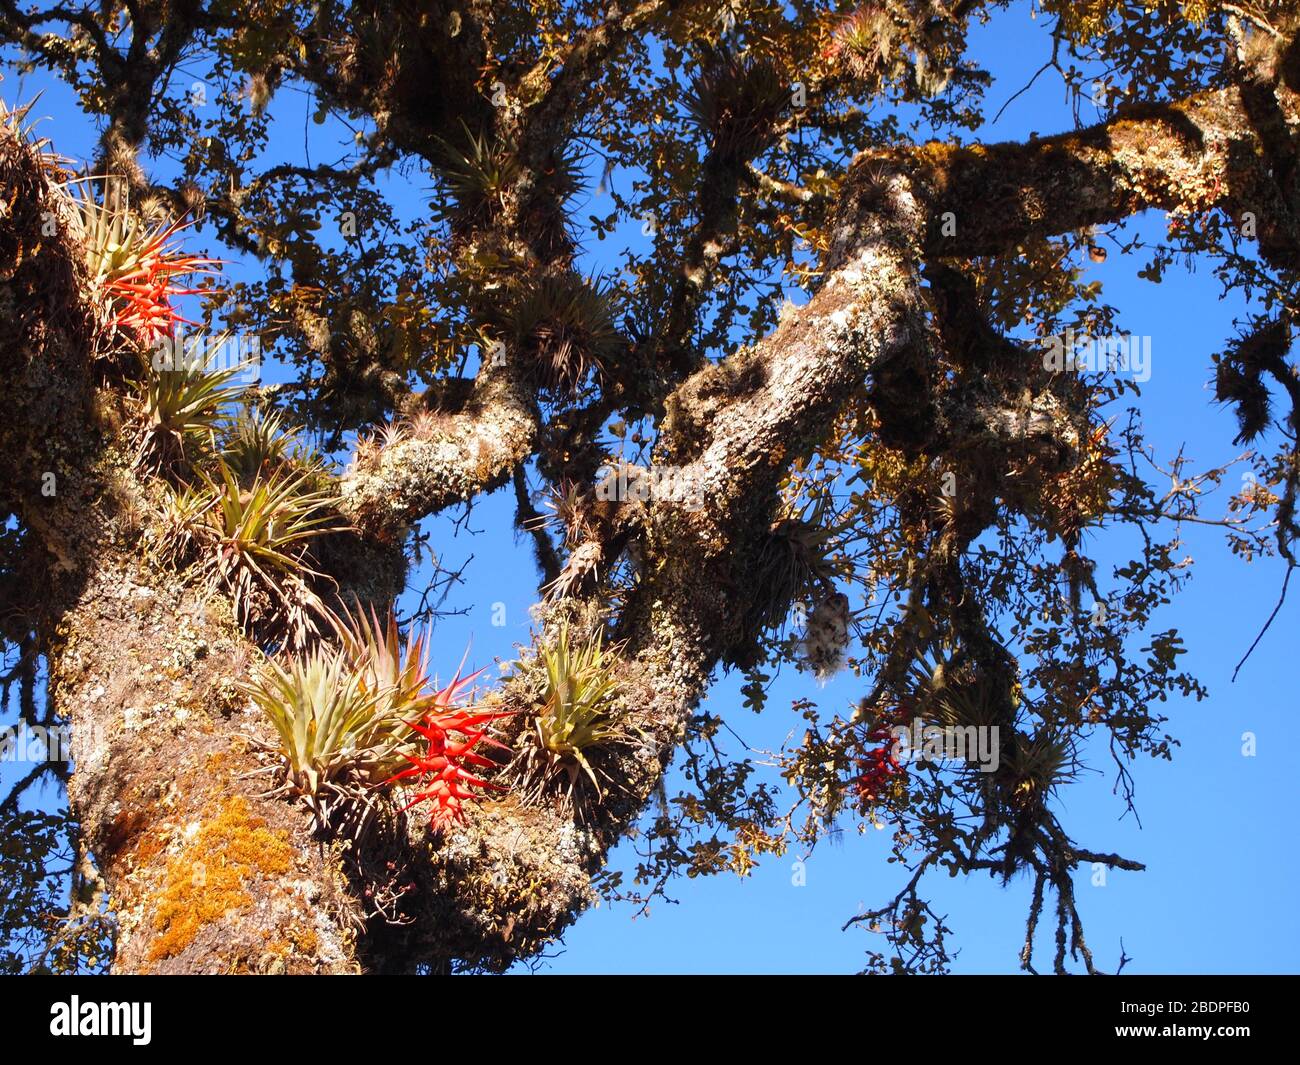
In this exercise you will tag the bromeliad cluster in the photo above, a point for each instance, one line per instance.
(244, 501)
(135, 266)
(369, 715)
(249, 509)
(575, 715)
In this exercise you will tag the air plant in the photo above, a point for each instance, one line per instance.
(258, 540)
(12, 119)
(135, 266)
(441, 773)
(565, 513)
(377, 655)
(798, 558)
(1015, 796)
(557, 181)
(371, 445)
(868, 43)
(184, 520)
(181, 409)
(950, 691)
(879, 776)
(1033, 767)
(564, 326)
(576, 715)
(477, 177)
(256, 443)
(735, 102)
(348, 720)
(425, 728)
(332, 728)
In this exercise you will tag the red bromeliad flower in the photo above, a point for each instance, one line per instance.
(879, 768)
(136, 266)
(142, 295)
(443, 771)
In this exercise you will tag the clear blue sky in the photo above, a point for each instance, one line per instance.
(1217, 831)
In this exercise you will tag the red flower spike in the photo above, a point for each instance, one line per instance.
(450, 734)
(142, 298)
(879, 766)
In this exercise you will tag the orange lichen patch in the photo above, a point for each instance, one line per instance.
(211, 875)
(305, 941)
(148, 846)
(300, 942)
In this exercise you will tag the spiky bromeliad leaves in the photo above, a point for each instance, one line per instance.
(135, 266)
(1032, 768)
(479, 176)
(335, 736)
(398, 669)
(181, 411)
(736, 101)
(751, 193)
(868, 43)
(577, 714)
(799, 557)
(563, 326)
(431, 733)
(256, 543)
(349, 720)
(255, 443)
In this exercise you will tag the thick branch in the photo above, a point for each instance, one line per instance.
(450, 460)
(1200, 153)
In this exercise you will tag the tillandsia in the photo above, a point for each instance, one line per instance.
(445, 772)
(255, 442)
(736, 102)
(367, 715)
(481, 175)
(563, 325)
(431, 733)
(181, 410)
(256, 544)
(576, 716)
(334, 731)
(135, 265)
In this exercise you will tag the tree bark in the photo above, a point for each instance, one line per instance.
(207, 873)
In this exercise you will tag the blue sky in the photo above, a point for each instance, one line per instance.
(1216, 831)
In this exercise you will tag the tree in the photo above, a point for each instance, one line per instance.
(849, 382)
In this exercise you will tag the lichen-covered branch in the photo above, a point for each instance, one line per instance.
(1195, 154)
(449, 459)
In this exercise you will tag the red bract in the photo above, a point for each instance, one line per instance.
(443, 771)
(879, 766)
(142, 297)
